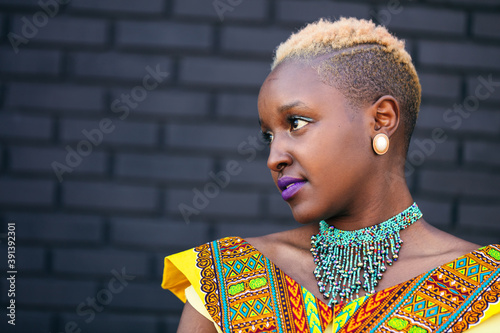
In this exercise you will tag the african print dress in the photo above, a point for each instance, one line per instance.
(240, 290)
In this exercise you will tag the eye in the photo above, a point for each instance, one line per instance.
(267, 137)
(298, 122)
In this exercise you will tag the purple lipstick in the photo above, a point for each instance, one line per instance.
(289, 186)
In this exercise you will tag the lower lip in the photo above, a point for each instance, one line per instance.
(290, 192)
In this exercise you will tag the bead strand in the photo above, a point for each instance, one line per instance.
(347, 261)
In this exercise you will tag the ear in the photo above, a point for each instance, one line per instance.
(386, 114)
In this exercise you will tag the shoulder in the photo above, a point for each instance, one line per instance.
(435, 247)
(290, 251)
(298, 239)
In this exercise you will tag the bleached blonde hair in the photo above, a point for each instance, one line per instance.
(360, 59)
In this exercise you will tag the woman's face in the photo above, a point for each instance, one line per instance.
(320, 152)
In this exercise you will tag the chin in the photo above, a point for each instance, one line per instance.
(304, 216)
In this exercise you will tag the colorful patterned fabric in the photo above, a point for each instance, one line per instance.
(244, 292)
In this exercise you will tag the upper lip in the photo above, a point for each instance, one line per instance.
(284, 182)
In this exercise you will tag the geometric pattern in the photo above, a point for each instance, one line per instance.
(423, 307)
(243, 265)
(251, 309)
(246, 293)
(449, 298)
(470, 269)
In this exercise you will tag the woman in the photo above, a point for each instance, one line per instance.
(338, 111)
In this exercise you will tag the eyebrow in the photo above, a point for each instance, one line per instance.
(291, 105)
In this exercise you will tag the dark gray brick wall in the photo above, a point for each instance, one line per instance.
(21, 127)
(254, 11)
(67, 30)
(291, 11)
(164, 35)
(47, 228)
(54, 97)
(223, 72)
(168, 91)
(437, 21)
(48, 62)
(111, 7)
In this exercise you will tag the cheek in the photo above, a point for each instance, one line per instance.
(336, 153)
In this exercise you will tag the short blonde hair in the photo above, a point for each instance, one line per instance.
(362, 60)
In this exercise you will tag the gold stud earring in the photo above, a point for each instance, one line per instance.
(381, 144)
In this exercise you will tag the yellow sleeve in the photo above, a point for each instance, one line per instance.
(182, 277)
(180, 272)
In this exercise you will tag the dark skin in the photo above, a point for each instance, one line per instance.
(318, 138)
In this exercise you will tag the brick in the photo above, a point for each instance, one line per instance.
(172, 102)
(480, 216)
(109, 196)
(162, 167)
(450, 54)
(278, 207)
(39, 160)
(164, 35)
(482, 153)
(104, 323)
(225, 203)
(28, 259)
(252, 40)
(486, 88)
(33, 192)
(15, 126)
(484, 122)
(208, 136)
(436, 20)
(437, 213)
(55, 97)
(424, 149)
(249, 229)
(237, 106)
(52, 228)
(157, 299)
(52, 292)
(255, 10)
(29, 62)
(31, 322)
(212, 71)
(119, 66)
(441, 86)
(99, 262)
(118, 6)
(121, 133)
(302, 11)
(486, 25)
(461, 183)
(157, 233)
(471, 3)
(171, 322)
(23, 4)
(252, 173)
(67, 30)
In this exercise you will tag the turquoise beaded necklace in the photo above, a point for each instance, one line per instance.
(347, 261)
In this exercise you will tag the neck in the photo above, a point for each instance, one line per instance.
(376, 206)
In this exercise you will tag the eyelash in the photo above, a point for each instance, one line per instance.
(267, 137)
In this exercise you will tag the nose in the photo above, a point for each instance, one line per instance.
(279, 155)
